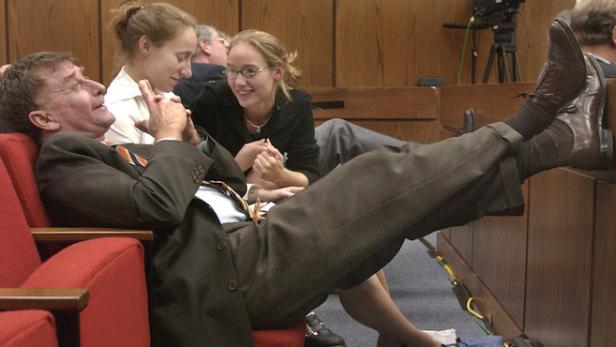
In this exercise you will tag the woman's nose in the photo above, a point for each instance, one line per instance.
(186, 71)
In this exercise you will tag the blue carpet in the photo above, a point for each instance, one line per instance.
(421, 290)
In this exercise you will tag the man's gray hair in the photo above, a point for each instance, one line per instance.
(205, 32)
(593, 21)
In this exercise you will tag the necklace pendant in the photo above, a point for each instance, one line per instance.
(258, 129)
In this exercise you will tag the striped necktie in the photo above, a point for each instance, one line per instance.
(137, 160)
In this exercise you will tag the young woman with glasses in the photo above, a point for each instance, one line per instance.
(258, 115)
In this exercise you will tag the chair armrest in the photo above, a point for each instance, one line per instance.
(57, 234)
(64, 303)
(52, 299)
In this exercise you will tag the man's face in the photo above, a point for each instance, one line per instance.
(73, 102)
(217, 50)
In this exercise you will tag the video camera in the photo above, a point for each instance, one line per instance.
(486, 8)
(500, 15)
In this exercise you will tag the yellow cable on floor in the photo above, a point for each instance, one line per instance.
(469, 308)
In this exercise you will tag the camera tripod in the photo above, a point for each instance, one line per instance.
(500, 50)
(504, 49)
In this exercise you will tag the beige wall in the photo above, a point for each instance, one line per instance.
(341, 43)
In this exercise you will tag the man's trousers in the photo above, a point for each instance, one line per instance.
(340, 141)
(350, 223)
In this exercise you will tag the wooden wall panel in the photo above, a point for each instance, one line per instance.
(486, 302)
(110, 60)
(499, 258)
(305, 26)
(383, 42)
(377, 103)
(533, 21)
(68, 25)
(491, 102)
(446, 233)
(560, 235)
(603, 320)
(461, 238)
(532, 34)
(394, 42)
(223, 14)
(3, 34)
(340, 42)
(451, 43)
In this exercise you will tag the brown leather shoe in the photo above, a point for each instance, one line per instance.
(469, 120)
(564, 73)
(592, 144)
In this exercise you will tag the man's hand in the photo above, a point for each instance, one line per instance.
(246, 156)
(168, 119)
(189, 134)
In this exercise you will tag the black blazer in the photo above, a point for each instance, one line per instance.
(290, 128)
(188, 88)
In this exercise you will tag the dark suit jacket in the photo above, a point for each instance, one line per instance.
(609, 70)
(188, 88)
(193, 284)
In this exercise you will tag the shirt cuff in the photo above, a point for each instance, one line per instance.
(167, 139)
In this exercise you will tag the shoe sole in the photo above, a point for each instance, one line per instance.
(578, 50)
(606, 139)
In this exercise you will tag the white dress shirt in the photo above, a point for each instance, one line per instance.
(124, 101)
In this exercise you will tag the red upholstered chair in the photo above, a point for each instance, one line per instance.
(19, 152)
(110, 269)
(290, 337)
(27, 328)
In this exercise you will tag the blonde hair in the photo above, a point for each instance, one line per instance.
(160, 22)
(274, 53)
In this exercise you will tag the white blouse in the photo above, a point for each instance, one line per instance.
(124, 101)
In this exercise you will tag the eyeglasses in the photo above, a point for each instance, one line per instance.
(223, 41)
(248, 72)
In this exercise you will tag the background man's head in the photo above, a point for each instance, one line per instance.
(211, 46)
(594, 25)
(45, 93)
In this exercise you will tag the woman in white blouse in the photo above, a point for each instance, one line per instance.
(157, 42)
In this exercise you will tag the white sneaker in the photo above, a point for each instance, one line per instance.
(445, 337)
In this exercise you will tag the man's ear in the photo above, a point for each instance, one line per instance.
(614, 36)
(145, 45)
(205, 48)
(43, 120)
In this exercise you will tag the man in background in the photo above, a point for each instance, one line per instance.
(594, 25)
(208, 62)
